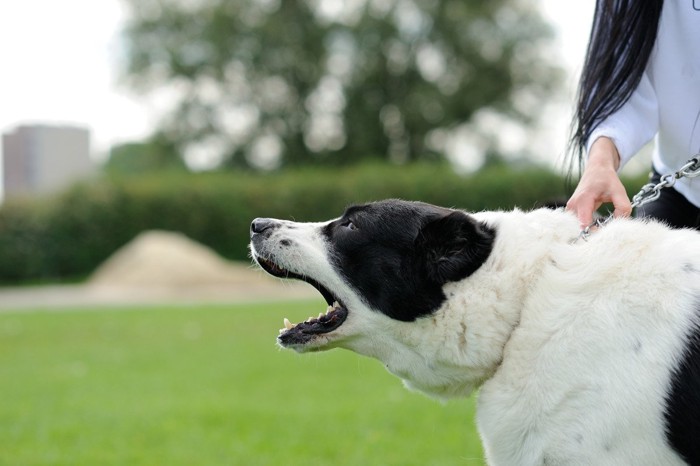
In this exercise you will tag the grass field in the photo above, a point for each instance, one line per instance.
(207, 386)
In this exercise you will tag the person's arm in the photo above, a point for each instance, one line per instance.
(599, 184)
(611, 145)
(633, 125)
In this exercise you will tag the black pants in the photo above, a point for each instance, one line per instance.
(671, 207)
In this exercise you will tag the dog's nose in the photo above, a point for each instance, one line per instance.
(261, 224)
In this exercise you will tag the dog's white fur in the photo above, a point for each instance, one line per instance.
(572, 344)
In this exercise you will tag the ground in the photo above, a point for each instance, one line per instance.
(71, 296)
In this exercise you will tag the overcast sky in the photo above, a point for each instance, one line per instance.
(60, 63)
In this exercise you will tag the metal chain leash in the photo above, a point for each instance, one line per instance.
(651, 192)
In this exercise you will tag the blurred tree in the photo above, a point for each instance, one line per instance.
(155, 154)
(271, 82)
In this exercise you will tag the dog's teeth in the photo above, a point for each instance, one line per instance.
(287, 324)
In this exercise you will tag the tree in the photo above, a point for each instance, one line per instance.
(270, 82)
(133, 158)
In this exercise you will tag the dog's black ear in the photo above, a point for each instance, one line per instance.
(454, 246)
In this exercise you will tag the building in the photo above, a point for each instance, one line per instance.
(42, 159)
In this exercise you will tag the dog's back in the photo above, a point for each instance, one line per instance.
(604, 367)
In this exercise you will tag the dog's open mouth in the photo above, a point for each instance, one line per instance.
(304, 332)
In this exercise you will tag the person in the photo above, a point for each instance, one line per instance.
(641, 78)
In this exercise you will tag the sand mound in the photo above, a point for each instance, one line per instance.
(168, 259)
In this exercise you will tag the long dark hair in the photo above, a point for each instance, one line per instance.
(622, 38)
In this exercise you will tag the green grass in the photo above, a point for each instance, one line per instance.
(207, 386)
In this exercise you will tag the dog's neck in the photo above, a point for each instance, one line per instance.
(453, 351)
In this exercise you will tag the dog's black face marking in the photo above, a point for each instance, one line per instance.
(397, 255)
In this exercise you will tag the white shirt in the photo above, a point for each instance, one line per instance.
(666, 102)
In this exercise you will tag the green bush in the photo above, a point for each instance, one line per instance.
(67, 236)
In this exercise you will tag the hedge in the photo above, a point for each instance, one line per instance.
(67, 236)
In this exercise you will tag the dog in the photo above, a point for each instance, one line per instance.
(585, 352)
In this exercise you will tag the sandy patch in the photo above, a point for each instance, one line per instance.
(160, 267)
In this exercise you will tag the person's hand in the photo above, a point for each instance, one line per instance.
(600, 183)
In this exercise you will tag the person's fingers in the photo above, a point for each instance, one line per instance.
(583, 207)
(622, 204)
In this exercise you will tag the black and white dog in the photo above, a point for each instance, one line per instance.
(585, 352)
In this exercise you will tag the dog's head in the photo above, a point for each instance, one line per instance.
(378, 263)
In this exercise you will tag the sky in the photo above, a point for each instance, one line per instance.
(60, 63)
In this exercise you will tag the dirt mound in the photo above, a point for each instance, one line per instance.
(169, 259)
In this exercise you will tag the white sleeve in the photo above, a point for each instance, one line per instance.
(633, 125)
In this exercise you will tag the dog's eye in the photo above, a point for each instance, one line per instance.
(349, 225)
